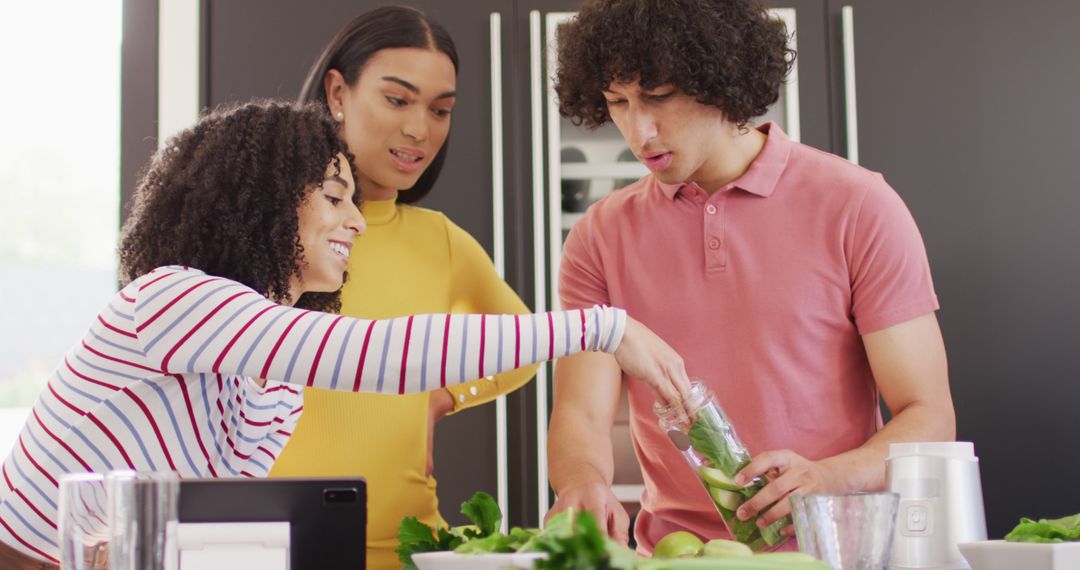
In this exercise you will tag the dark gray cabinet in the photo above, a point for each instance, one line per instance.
(971, 109)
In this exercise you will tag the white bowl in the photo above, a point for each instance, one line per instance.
(446, 560)
(1002, 555)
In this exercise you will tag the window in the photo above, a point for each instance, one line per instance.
(59, 186)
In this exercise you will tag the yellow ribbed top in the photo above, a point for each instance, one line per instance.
(409, 261)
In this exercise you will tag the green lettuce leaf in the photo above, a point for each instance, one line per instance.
(484, 512)
(708, 440)
(497, 542)
(583, 548)
(1065, 529)
(415, 536)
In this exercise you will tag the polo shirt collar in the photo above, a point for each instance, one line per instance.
(764, 171)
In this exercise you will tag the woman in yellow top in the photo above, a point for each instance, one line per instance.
(388, 78)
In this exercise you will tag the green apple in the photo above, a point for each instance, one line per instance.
(678, 544)
(716, 478)
(719, 548)
(730, 500)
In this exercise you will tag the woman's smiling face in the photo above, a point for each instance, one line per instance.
(328, 221)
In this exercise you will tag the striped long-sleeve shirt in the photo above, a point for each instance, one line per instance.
(165, 379)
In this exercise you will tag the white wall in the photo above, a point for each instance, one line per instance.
(11, 421)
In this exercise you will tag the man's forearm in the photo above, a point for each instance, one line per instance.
(579, 437)
(910, 368)
(864, 467)
(577, 455)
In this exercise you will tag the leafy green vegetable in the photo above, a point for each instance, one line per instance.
(620, 557)
(557, 526)
(576, 545)
(708, 440)
(497, 542)
(1046, 530)
(519, 537)
(415, 537)
(572, 539)
(771, 534)
(484, 512)
(743, 531)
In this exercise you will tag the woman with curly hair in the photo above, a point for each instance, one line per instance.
(389, 79)
(237, 245)
(803, 285)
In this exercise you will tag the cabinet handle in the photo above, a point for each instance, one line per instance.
(851, 115)
(536, 91)
(178, 67)
(552, 20)
(793, 125)
(497, 191)
(498, 229)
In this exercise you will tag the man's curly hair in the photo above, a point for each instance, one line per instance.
(223, 195)
(726, 53)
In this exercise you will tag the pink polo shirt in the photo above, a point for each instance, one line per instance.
(764, 288)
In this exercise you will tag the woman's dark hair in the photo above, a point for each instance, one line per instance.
(379, 29)
(223, 195)
(726, 53)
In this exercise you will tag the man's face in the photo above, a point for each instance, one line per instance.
(668, 130)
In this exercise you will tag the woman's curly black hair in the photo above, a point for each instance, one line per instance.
(223, 195)
(726, 53)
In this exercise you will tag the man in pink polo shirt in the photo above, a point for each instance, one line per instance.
(794, 283)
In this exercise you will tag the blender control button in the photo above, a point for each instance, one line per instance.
(916, 518)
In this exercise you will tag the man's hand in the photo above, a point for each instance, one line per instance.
(787, 472)
(598, 499)
(440, 403)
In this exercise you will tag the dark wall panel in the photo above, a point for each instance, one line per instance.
(971, 109)
(138, 94)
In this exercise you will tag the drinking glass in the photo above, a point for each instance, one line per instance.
(850, 531)
(143, 519)
(804, 534)
(83, 522)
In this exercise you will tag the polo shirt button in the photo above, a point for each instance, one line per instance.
(473, 390)
(714, 243)
(461, 398)
(710, 209)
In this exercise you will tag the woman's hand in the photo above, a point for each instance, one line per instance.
(440, 403)
(645, 356)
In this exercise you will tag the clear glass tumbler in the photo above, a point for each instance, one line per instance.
(143, 519)
(83, 521)
(849, 531)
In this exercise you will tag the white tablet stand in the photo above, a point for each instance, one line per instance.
(227, 546)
